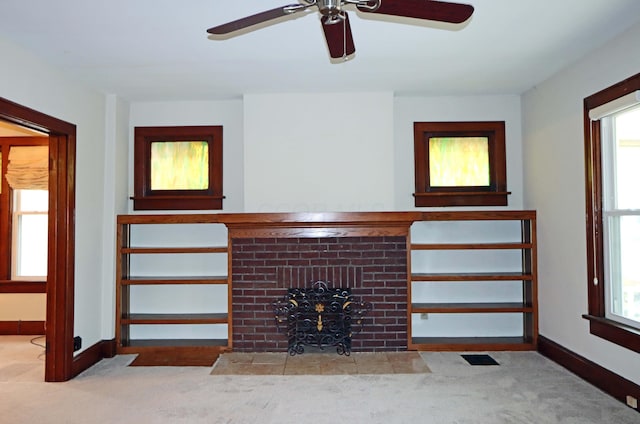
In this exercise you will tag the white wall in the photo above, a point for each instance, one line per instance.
(318, 152)
(116, 183)
(328, 152)
(32, 83)
(408, 110)
(554, 176)
(227, 113)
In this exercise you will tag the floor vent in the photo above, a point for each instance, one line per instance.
(480, 360)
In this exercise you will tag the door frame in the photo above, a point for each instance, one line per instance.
(61, 251)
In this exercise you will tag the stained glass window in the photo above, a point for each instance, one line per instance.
(182, 165)
(459, 161)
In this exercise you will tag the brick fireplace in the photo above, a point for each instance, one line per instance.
(368, 258)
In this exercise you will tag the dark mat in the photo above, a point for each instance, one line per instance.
(154, 359)
(480, 360)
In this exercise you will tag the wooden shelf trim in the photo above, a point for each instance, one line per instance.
(478, 276)
(140, 281)
(157, 319)
(177, 343)
(17, 286)
(419, 308)
(162, 250)
(319, 219)
(471, 246)
(471, 343)
(339, 224)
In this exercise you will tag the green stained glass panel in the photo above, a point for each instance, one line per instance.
(179, 165)
(459, 162)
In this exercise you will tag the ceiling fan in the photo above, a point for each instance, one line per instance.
(335, 20)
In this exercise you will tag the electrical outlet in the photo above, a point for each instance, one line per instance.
(632, 402)
(77, 343)
(424, 316)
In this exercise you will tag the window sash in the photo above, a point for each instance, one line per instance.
(37, 246)
(616, 267)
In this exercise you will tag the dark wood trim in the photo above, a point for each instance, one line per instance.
(91, 356)
(8, 286)
(5, 217)
(176, 356)
(494, 194)
(607, 381)
(17, 328)
(615, 332)
(599, 325)
(145, 198)
(60, 285)
(60, 280)
(109, 348)
(6, 201)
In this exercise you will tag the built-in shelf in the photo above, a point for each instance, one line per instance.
(157, 280)
(216, 318)
(126, 315)
(166, 250)
(527, 307)
(478, 276)
(471, 246)
(347, 224)
(474, 343)
(193, 343)
(459, 308)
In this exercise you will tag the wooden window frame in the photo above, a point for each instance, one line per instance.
(599, 325)
(495, 194)
(147, 199)
(6, 207)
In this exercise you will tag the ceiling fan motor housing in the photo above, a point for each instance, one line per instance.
(330, 7)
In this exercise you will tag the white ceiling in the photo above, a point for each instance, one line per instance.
(159, 49)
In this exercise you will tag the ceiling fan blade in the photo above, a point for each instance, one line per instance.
(338, 36)
(256, 19)
(441, 11)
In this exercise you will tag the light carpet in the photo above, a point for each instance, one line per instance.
(525, 388)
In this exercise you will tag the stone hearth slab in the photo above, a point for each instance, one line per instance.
(319, 363)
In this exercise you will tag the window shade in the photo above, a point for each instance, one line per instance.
(28, 168)
(615, 106)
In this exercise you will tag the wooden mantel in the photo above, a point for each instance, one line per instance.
(314, 225)
(318, 224)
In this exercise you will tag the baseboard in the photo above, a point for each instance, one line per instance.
(21, 328)
(93, 355)
(607, 381)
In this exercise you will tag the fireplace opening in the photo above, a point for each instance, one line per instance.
(320, 316)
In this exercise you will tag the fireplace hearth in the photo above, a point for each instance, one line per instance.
(320, 317)
(373, 267)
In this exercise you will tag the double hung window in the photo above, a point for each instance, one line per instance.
(612, 153)
(24, 204)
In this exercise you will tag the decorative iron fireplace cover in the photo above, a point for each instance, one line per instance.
(319, 316)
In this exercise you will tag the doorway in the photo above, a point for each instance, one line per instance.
(61, 234)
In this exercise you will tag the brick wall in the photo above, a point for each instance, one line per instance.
(375, 268)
